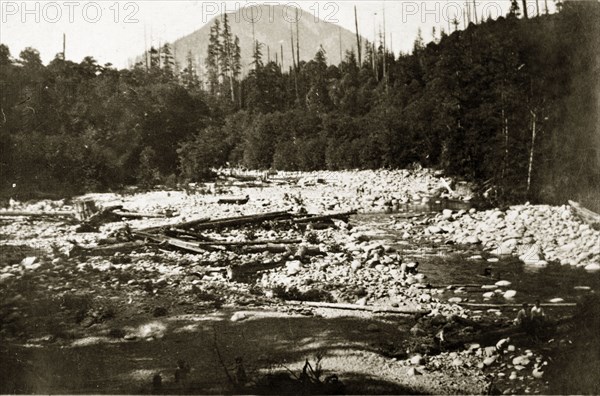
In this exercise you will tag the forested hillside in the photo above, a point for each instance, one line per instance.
(511, 103)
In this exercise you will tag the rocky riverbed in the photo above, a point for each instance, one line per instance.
(54, 298)
(537, 234)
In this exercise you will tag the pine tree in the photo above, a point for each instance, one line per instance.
(226, 55)
(189, 76)
(514, 8)
(167, 61)
(212, 58)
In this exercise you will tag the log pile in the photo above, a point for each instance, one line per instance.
(187, 236)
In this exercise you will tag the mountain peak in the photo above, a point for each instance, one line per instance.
(273, 27)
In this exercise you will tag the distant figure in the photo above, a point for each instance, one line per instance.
(487, 271)
(181, 373)
(538, 317)
(537, 312)
(523, 319)
(156, 383)
(240, 372)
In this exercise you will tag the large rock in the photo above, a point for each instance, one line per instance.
(6, 276)
(417, 360)
(472, 240)
(592, 267)
(434, 230)
(293, 267)
(488, 361)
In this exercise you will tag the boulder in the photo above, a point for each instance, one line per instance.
(488, 361)
(6, 276)
(28, 261)
(510, 294)
(238, 317)
(447, 214)
(592, 267)
(411, 372)
(457, 363)
(434, 230)
(472, 240)
(293, 267)
(417, 360)
(521, 360)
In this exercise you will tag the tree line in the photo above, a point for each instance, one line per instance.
(509, 103)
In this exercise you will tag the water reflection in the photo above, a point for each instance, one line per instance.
(458, 265)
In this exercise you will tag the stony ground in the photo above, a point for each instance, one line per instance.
(111, 323)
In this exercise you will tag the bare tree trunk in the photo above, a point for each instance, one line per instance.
(340, 40)
(468, 5)
(531, 151)
(293, 53)
(358, 43)
(505, 132)
(525, 9)
(297, 38)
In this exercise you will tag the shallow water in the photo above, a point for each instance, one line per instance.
(446, 265)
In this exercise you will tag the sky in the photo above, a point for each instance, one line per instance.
(116, 31)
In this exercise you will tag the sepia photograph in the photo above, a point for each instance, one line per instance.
(309, 197)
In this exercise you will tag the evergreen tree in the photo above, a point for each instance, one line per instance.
(212, 59)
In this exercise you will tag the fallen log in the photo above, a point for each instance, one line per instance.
(356, 307)
(183, 225)
(250, 243)
(312, 219)
(19, 213)
(103, 250)
(234, 200)
(136, 215)
(585, 214)
(172, 242)
(501, 306)
(237, 221)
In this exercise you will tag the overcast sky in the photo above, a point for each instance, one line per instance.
(115, 31)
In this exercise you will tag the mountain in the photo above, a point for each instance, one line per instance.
(273, 33)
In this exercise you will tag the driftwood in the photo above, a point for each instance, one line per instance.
(507, 306)
(250, 243)
(237, 221)
(170, 241)
(104, 250)
(136, 215)
(585, 214)
(355, 307)
(19, 213)
(234, 200)
(186, 224)
(313, 219)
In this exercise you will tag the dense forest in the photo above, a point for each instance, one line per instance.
(510, 103)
